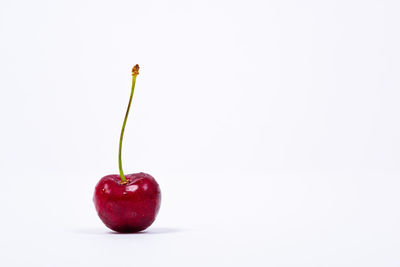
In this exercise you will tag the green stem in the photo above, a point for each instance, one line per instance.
(121, 172)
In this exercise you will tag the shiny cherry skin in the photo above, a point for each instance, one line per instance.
(130, 207)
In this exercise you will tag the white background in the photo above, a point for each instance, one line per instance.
(272, 128)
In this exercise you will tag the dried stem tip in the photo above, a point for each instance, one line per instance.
(135, 70)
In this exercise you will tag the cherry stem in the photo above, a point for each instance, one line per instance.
(135, 72)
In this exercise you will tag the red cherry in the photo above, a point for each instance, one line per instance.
(127, 203)
(127, 207)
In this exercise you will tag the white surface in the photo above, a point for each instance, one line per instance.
(216, 219)
(271, 126)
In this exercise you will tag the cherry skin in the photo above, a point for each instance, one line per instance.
(127, 207)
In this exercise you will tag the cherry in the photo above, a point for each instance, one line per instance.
(127, 203)
(129, 207)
